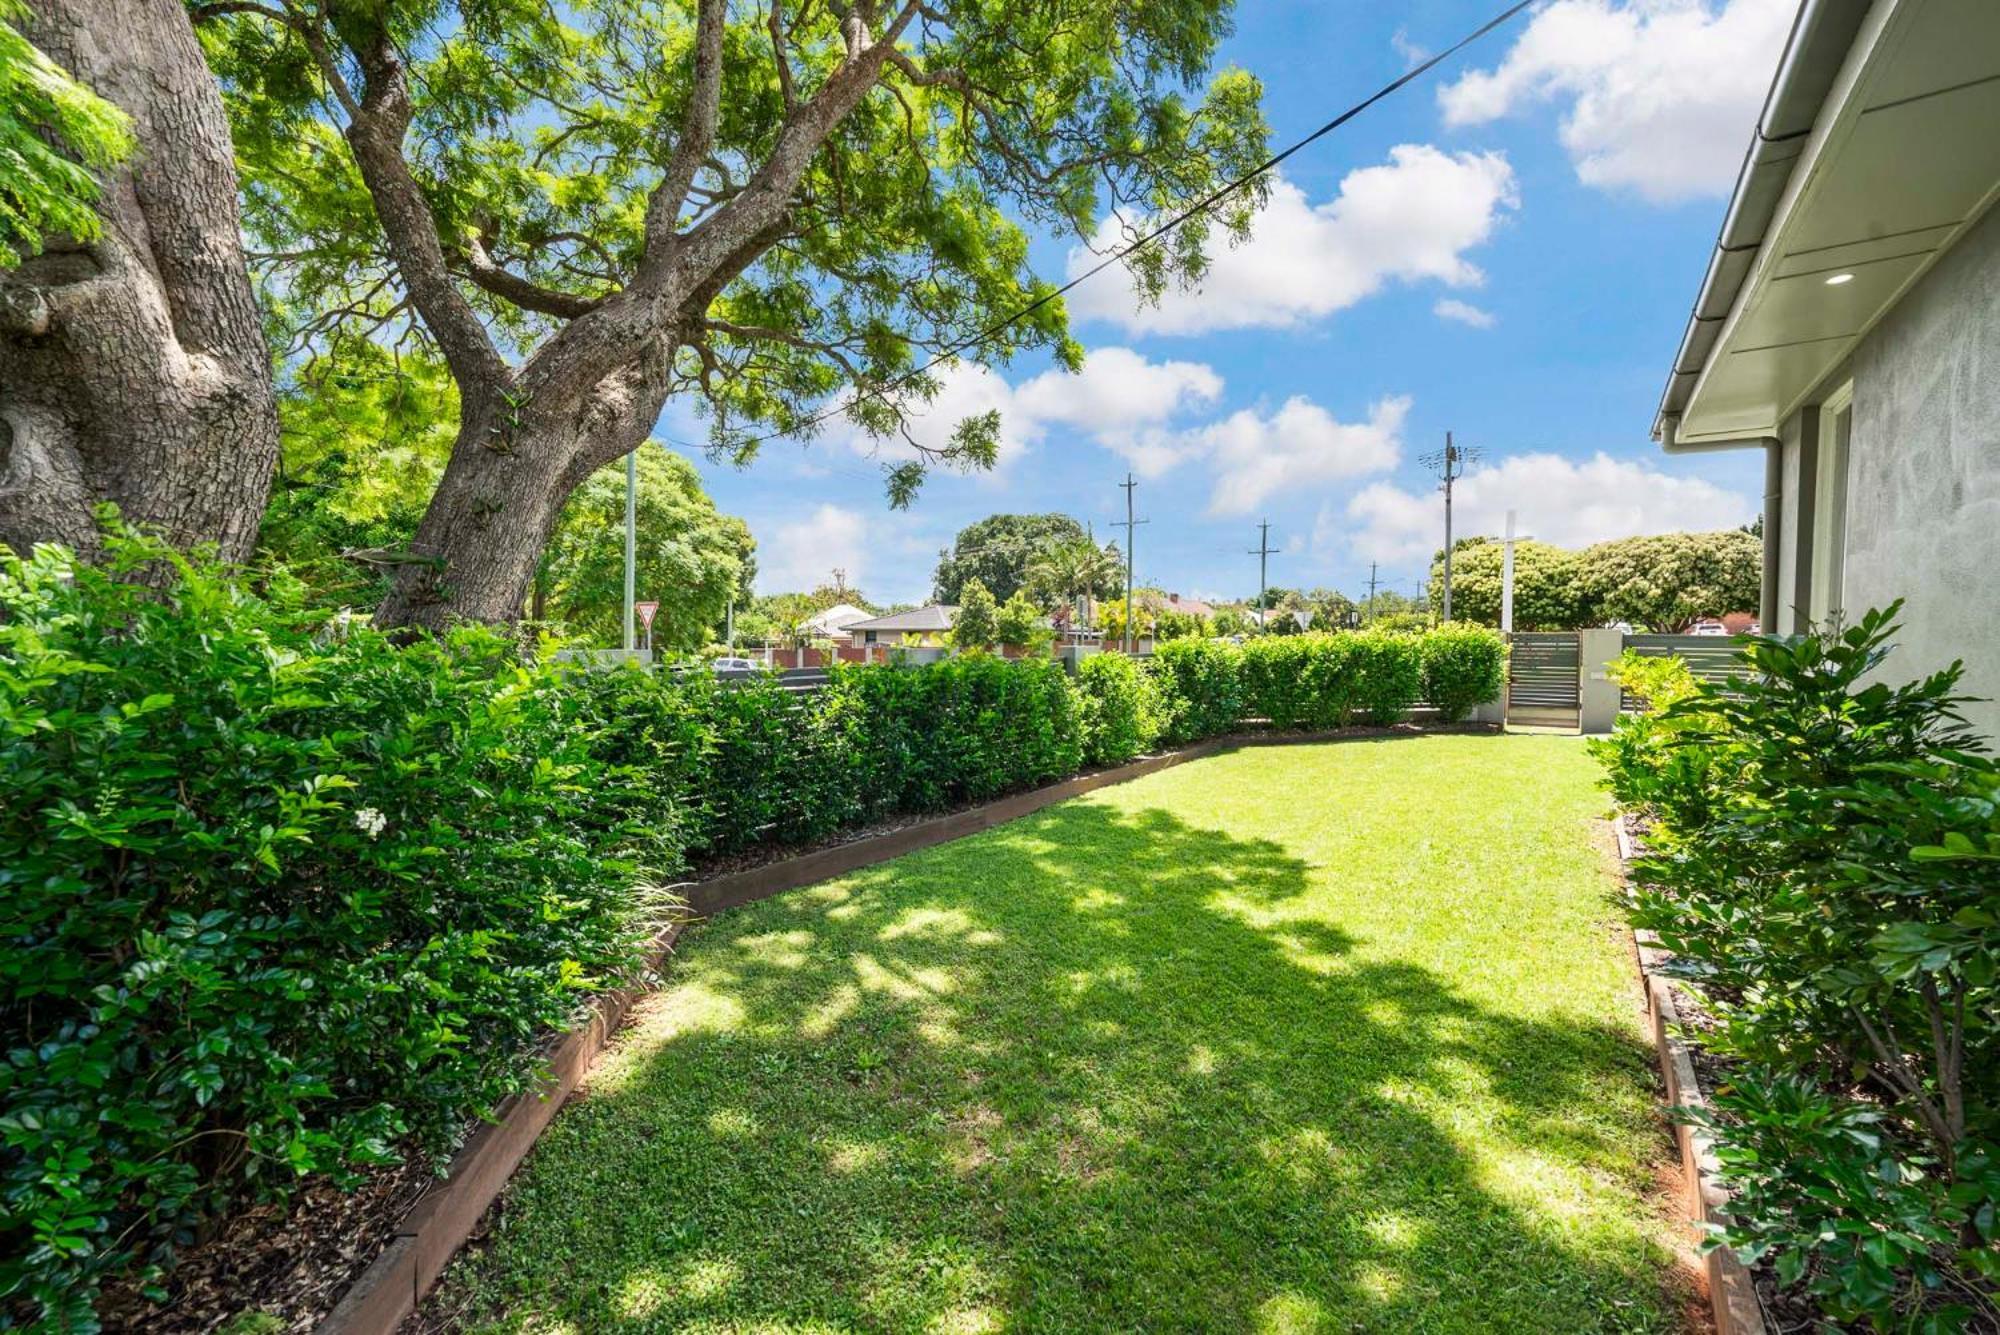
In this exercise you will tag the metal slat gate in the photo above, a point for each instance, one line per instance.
(1543, 681)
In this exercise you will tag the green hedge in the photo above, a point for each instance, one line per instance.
(1201, 689)
(1119, 707)
(281, 898)
(1463, 667)
(272, 906)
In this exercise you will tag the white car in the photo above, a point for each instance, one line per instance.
(735, 665)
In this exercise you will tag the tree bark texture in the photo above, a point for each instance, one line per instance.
(133, 369)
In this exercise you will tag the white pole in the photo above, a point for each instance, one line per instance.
(631, 549)
(1507, 580)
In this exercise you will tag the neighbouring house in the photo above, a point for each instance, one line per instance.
(1849, 327)
(832, 624)
(919, 628)
(930, 628)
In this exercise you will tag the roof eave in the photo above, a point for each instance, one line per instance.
(1821, 35)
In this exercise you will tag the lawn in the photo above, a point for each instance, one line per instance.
(1330, 1037)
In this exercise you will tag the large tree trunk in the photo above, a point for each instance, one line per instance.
(504, 487)
(133, 369)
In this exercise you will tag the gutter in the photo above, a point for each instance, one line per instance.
(1821, 36)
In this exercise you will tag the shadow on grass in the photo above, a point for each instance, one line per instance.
(1092, 1070)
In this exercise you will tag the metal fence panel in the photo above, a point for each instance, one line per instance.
(1711, 658)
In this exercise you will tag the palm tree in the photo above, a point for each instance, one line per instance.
(1070, 570)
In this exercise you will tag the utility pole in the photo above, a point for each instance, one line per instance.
(1450, 465)
(631, 549)
(1372, 582)
(1263, 555)
(1129, 485)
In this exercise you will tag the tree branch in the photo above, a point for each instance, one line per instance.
(697, 133)
(776, 23)
(379, 122)
(528, 295)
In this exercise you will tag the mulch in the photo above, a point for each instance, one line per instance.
(291, 1263)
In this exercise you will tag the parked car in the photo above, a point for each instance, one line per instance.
(735, 665)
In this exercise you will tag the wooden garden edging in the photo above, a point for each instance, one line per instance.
(1731, 1292)
(388, 1291)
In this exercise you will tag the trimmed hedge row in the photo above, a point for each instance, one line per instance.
(281, 900)
(273, 905)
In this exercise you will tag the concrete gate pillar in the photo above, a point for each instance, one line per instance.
(1597, 694)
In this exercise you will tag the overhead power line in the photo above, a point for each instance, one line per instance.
(1201, 205)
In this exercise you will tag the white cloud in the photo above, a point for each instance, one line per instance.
(804, 553)
(1409, 219)
(1257, 455)
(1115, 398)
(1662, 94)
(1145, 412)
(1413, 54)
(1571, 503)
(1464, 312)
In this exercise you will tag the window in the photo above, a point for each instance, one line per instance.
(1836, 420)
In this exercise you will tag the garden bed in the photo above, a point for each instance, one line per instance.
(1736, 1295)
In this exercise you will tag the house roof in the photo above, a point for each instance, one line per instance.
(836, 619)
(1173, 602)
(938, 616)
(1872, 156)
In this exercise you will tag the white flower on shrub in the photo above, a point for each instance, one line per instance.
(370, 821)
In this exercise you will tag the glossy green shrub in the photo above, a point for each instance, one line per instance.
(1118, 709)
(1824, 856)
(1464, 666)
(1299, 681)
(1201, 689)
(998, 724)
(273, 903)
(1386, 672)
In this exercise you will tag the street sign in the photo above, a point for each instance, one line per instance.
(646, 611)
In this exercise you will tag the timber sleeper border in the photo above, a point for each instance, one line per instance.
(389, 1291)
(1731, 1292)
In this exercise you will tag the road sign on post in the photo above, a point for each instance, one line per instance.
(646, 611)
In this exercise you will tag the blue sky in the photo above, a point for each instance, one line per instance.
(1506, 249)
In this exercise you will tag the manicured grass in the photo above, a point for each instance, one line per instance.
(1307, 1038)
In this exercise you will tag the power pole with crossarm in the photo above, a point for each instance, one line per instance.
(1131, 526)
(1263, 555)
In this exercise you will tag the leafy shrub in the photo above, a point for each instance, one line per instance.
(1649, 766)
(1118, 709)
(1388, 675)
(272, 905)
(1463, 668)
(1201, 689)
(1823, 869)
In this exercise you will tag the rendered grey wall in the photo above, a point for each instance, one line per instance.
(1923, 479)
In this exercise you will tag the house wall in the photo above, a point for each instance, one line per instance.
(1923, 481)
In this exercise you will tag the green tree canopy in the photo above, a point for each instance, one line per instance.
(364, 434)
(1000, 550)
(978, 623)
(1549, 592)
(1019, 622)
(1664, 582)
(775, 211)
(1668, 582)
(691, 559)
(1066, 570)
(53, 133)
